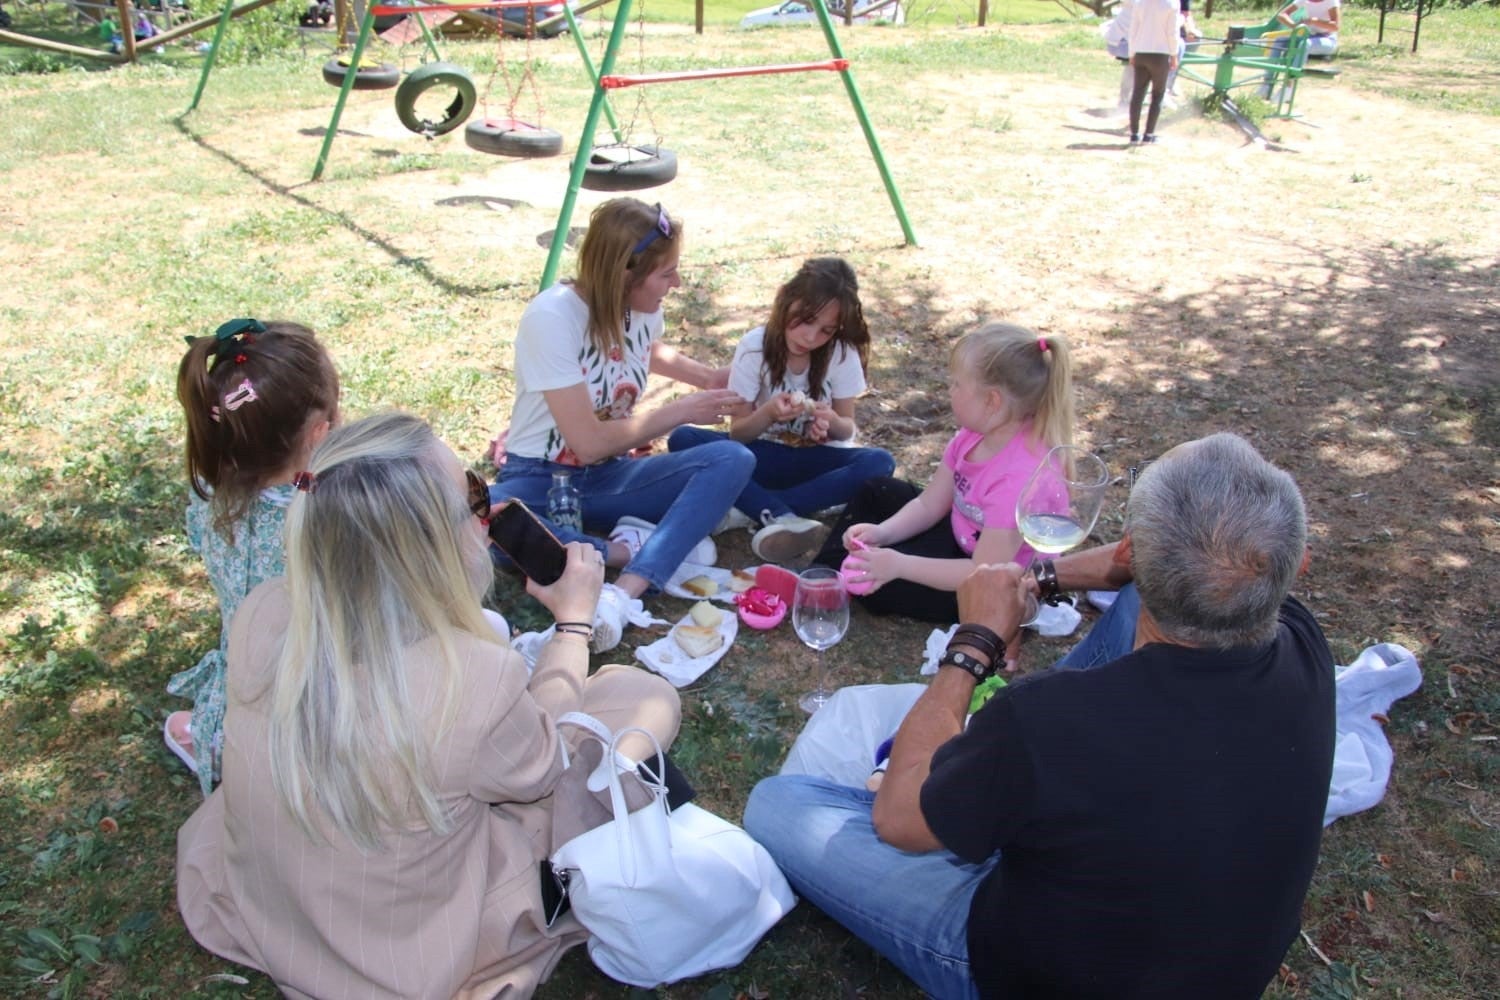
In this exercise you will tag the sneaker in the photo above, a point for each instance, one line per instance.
(735, 519)
(1135, 138)
(1148, 139)
(786, 537)
(610, 618)
(632, 532)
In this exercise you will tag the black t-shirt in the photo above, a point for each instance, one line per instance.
(1158, 819)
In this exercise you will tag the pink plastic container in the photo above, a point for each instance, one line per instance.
(851, 568)
(760, 609)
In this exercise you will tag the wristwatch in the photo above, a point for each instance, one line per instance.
(972, 665)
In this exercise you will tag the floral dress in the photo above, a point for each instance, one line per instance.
(235, 567)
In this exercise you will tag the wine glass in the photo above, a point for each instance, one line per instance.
(820, 614)
(1059, 504)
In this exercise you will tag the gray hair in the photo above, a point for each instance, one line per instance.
(380, 555)
(1217, 535)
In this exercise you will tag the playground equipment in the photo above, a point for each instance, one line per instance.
(129, 50)
(606, 80)
(510, 135)
(1269, 56)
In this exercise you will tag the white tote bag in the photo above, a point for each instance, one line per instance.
(667, 894)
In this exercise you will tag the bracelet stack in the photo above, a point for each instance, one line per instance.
(1044, 571)
(980, 638)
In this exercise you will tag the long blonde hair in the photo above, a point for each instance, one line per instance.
(380, 555)
(610, 266)
(1035, 372)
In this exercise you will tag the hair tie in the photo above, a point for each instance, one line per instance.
(232, 336)
(1041, 343)
(307, 482)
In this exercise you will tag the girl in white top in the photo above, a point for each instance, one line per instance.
(1155, 27)
(583, 352)
(799, 376)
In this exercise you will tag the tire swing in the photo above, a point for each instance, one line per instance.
(624, 165)
(425, 78)
(369, 75)
(507, 135)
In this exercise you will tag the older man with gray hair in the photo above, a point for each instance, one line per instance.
(1140, 821)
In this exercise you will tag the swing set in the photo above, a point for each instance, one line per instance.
(617, 166)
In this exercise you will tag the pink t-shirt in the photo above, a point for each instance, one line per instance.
(985, 493)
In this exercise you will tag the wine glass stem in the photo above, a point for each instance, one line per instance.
(822, 672)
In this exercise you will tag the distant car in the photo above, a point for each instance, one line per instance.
(798, 12)
(513, 19)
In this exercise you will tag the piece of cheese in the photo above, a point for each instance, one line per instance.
(740, 581)
(703, 586)
(706, 614)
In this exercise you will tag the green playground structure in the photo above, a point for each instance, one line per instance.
(1269, 56)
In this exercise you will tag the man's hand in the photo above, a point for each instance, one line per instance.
(994, 595)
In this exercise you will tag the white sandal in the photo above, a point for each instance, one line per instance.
(182, 752)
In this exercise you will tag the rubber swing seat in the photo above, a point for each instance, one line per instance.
(510, 137)
(628, 168)
(379, 76)
(423, 79)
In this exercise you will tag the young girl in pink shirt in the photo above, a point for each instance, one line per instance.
(1012, 397)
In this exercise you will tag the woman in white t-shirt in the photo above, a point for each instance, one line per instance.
(799, 376)
(583, 351)
(1322, 20)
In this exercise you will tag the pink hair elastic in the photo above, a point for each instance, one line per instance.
(1041, 343)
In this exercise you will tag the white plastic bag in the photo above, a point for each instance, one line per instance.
(838, 743)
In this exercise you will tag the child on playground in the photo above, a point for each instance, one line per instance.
(583, 351)
(1012, 398)
(257, 398)
(799, 375)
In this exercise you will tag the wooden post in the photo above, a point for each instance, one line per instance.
(698, 17)
(984, 11)
(127, 28)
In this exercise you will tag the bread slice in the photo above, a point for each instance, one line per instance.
(698, 640)
(703, 586)
(740, 581)
(706, 614)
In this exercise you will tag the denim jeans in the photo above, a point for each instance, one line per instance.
(684, 494)
(789, 480)
(912, 908)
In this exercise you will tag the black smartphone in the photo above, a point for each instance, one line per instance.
(555, 900)
(534, 549)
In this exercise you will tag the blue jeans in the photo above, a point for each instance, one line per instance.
(789, 480)
(1112, 636)
(912, 908)
(684, 494)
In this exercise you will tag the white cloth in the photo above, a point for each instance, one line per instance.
(670, 660)
(838, 743)
(553, 351)
(1362, 755)
(1154, 26)
(845, 379)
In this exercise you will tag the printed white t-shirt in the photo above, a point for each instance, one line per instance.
(748, 376)
(553, 351)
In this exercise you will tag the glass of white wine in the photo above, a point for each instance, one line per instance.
(820, 614)
(1059, 504)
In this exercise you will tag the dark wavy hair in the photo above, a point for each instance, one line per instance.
(818, 281)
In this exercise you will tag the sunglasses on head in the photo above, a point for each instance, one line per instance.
(663, 227)
(479, 496)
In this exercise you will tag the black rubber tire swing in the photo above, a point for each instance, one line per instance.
(423, 79)
(381, 77)
(640, 167)
(508, 137)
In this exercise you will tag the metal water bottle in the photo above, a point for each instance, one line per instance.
(564, 505)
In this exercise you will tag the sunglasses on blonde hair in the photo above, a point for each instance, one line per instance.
(479, 495)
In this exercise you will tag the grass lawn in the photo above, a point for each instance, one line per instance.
(1331, 293)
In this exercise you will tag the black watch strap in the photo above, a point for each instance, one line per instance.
(971, 665)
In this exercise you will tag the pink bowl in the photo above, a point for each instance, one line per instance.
(761, 599)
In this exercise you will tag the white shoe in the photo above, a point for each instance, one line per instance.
(632, 532)
(735, 519)
(786, 537)
(610, 618)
